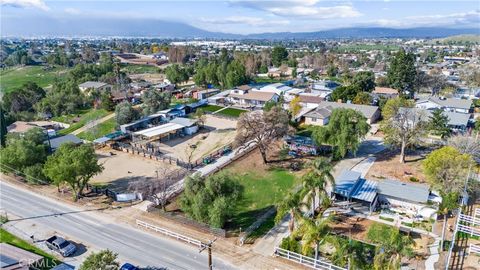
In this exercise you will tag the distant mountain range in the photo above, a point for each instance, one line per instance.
(98, 27)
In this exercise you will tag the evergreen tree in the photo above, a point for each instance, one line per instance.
(402, 72)
(438, 124)
(279, 55)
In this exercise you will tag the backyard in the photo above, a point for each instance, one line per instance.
(99, 130)
(13, 78)
(231, 112)
(79, 119)
(6, 237)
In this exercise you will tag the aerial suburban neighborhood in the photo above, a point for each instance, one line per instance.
(239, 135)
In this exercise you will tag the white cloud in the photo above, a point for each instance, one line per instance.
(72, 11)
(253, 21)
(40, 4)
(304, 9)
(470, 18)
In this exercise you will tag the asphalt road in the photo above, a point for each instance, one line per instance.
(97, 230)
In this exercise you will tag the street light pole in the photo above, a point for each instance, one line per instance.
(209, 247)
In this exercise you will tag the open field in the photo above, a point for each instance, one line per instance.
(217, 133)
(139, 69)
(150, 77)
(6, 237)
(77, 121)
(15, 77)
(122, 168)
(99, 130)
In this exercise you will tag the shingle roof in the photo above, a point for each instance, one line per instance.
(452, 102)
(404, 191)
(255, 95)
(366, 110)
(320, 113)
(310, 99)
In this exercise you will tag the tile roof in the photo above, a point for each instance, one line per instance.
(385, 90)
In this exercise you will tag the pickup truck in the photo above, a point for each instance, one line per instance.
(60, 245)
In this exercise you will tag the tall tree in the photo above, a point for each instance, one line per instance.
(295, 106)
(279, 55)
(102, 260)
(363, 98)
(317, 178)
(261, 128)
(344, 132)
(402, 126)
(365, 80)
(125, 113)
(154, 101)
(438, 124)
(402, 72)
(313, 232)
(345, 93)
(292, 205)
(73, 165)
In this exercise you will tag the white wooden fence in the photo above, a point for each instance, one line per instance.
(474, 249)
(169, 233)
(306, 261)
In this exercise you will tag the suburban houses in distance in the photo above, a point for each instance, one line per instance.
(248, 135)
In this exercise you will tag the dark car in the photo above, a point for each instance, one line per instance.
(128, 266)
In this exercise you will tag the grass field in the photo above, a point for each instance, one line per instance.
(231, 112)
(261, 191)
(139, 69)
(211, 108)
(15, 77)
(99, 130)
(85, 117)
(6, 237)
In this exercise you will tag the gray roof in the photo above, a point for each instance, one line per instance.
(186, 122)
(346, 182)
(91, 84)
(457, 119)
(56, 142)
(320, 113)
(451, 102)
(367, 110)
(404, 191)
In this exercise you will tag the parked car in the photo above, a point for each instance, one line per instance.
(61, 246)
(128, 266)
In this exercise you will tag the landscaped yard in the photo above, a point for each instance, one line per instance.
(99, 130)
(6, 237)
(13, 78)
(261, 191)
(84, 116)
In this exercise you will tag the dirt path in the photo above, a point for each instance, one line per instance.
(92, 124)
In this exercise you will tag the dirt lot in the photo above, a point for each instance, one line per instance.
(121, 168)
(139, 59)
(387, 165)
(217, 133)
(149, 77)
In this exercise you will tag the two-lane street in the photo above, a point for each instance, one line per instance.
(99, 231)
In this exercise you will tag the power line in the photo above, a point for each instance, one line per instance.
(20, 173)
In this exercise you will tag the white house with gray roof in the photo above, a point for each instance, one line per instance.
(321, 114)
(446, 104)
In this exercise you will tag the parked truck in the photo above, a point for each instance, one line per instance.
(61, 246)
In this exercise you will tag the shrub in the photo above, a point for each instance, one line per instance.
(413, 179)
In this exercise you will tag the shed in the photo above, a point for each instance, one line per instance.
(58, 141)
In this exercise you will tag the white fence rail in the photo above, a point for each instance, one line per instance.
(474, 249)
(468, 229)
(475, 221)
(169, 233)
(306, 261)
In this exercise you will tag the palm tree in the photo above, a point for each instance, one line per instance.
(292, 205)
(449, 202)
(313, 232)
(317, 178)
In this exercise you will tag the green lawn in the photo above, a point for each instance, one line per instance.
(260, 193)
(85, 117)
(6, 237)
(211, 108)
(231, 112)
(100, 130)
(15, 77)
(137, 69)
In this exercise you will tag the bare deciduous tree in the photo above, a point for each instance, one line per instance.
(261, 128)
(466, 145)
(158, 190)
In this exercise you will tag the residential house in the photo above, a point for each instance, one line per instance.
(55, 143)
(384, 92)
(204, 94)
(321, 114)
(253, 98)
(403, 197)
(277, 88)
(90, 85)
(446, 104)
(310, 101)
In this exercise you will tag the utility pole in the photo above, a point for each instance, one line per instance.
(209, 247)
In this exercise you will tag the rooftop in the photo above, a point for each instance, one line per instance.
(405, 191)
(385, 90)
(56, 142)
(91, 84)
(346, 182)
(255, 95)
(450, 102)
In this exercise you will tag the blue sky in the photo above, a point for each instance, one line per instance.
(239, 16)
